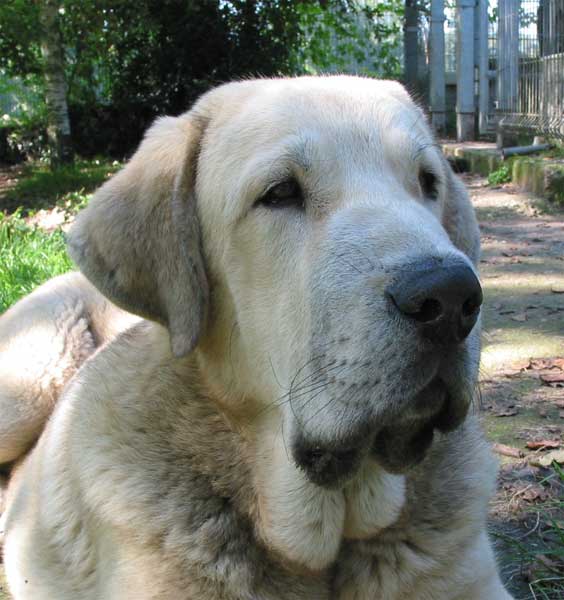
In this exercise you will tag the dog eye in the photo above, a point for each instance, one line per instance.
(429, 184)
(283, 195)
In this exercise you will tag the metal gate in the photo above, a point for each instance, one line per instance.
(530, 66)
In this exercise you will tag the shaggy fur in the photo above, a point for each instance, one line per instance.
(169, 467)
(44, 339)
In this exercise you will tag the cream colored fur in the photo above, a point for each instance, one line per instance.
(167, 469)
(44, 339)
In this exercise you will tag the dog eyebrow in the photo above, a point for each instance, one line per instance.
(300, 153)
(418, 147)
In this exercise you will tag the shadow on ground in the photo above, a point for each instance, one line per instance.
(522, 271)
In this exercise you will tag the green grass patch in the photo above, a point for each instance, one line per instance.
(541, 551)
(68, 186)
(28, 257)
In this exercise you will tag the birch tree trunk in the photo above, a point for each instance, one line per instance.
(58, 129)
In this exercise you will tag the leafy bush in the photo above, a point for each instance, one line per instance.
(501, 175)
(23, 119)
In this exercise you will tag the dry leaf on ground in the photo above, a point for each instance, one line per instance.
(553, 379)
(507, 450)
(547, 444)
(545, 460)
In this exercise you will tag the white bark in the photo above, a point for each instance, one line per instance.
(58, 130)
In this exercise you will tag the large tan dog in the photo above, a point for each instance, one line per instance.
(291, 422)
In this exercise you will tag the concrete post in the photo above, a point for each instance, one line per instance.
(437, 66)
(411, 45)
(483, 66)
(465, 104)
(507, 60)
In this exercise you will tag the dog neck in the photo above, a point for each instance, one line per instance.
(302, 523)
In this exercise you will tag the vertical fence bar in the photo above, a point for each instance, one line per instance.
(507, 61)
(437, 66)
(484, 82)
(465, 102)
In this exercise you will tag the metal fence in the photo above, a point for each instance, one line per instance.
(530, 65)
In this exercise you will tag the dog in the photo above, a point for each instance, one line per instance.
(290, 419)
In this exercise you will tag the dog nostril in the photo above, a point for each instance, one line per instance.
(429, 311)
(472, 305)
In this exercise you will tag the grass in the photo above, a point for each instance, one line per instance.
(28, 257)
(38, 187)
(542, 557)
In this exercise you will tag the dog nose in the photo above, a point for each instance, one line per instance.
(443, 298)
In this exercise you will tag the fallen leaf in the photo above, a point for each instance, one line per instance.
(521, 317)
(545, 444)
(553, 379)
(545, 460)
(507, 450)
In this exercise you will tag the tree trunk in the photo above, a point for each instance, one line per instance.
(58, 128)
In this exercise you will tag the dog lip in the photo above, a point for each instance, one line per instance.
(400, 446)
(430, 401)
(326, 467)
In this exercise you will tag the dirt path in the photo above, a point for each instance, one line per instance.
(522, 374)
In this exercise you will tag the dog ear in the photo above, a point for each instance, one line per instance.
(138, 241)
(459, 218)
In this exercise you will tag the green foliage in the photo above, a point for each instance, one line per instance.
(28, 257)
(68, 187)
(499, 176)
(19, 34)
(127, 62)
(23, 117)
(350, 35)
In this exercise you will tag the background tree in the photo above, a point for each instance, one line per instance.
(58, 129)
(127, 62)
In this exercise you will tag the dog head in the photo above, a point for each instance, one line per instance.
(307, 241)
